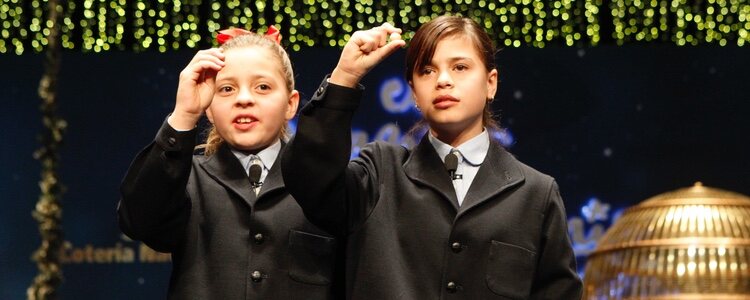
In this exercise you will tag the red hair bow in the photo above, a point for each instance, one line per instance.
(227, 34)
(273, 34)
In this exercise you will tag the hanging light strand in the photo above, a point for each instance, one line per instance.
(166, 25)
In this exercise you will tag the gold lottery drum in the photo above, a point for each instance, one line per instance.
(691, 243)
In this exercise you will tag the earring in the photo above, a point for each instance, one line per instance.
(417, 107)
(490, 99)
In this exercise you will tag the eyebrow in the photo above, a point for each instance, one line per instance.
(252, 77)
(452, 60)
(457, 58)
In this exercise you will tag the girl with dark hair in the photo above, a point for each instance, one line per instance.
(457, 216)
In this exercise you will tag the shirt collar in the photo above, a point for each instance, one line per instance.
(267, 156)
(473, 151)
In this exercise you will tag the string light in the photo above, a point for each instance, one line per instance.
(166, 25)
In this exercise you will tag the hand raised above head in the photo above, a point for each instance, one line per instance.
(364, 50)
(196, 88)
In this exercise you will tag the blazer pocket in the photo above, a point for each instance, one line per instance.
(312, 257)
(510, 270)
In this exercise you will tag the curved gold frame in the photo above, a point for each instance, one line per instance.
(692, 243)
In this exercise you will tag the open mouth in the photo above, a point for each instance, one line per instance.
(244, 122)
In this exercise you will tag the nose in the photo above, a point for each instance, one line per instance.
(444, 80)
(245, 97)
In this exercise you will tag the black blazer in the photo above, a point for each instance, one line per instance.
(225, 242)
(407, 236)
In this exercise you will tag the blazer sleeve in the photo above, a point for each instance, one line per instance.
(153, 206)
(334, 194)
(556, 275)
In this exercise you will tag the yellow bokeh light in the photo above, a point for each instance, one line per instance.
(516, 23)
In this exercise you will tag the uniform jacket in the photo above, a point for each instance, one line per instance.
(225, 242)
(407, 236)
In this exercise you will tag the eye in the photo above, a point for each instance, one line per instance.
(426, 71)
(226, 89)
(461, 67)
(263, 88)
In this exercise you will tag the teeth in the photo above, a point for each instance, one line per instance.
(244, 120)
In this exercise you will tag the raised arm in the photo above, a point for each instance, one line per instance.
(153, 206)
(315, 162)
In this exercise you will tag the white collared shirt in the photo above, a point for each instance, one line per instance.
(473, 153)
(267, 157)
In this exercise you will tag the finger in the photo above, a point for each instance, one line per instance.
(207, 66)
(216, 54)
(195, 71)
(208, 57)
(395, 36)
(389, 48)
(202, 66)
(390, 29)
(380, 34)
(379, 37)
(365, 41)
(209, 77)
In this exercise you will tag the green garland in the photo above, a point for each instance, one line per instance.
(48, 211)
(138, 25)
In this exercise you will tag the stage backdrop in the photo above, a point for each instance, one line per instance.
(614, 125)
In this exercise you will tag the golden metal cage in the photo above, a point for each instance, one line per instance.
(691, 243)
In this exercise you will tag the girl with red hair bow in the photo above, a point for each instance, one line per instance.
(232, 228)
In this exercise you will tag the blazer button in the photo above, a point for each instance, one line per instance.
(259, 238)
(456, 247)
(256, 276)
(452, 287)
(171, 141)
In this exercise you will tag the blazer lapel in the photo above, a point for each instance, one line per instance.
(424, 166)
(225, 168)
(274, 180)
(497, 173)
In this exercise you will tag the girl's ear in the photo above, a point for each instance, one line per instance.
(413, 94)
(491, 84)
(210, 116)
(292, 105)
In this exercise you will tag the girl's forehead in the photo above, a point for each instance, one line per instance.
(248, 52)
(455, 46)
(251, 59)
(456, 42)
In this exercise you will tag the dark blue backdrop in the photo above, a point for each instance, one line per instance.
(614, 125)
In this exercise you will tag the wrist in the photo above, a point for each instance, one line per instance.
(181, 121)
(343, 78)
